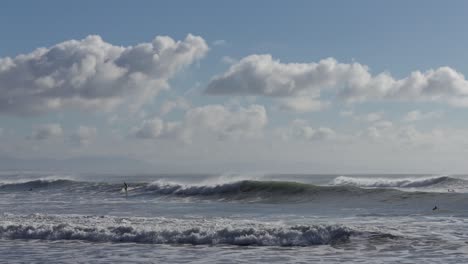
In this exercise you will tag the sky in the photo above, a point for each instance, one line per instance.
(251, 86)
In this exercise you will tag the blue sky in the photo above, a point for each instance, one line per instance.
(172, 119)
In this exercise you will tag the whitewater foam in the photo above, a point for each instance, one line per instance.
(412, 182)
(168, 231)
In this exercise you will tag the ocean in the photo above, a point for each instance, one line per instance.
(233, 218)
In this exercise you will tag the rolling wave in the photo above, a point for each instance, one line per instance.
(39, 183)
(169, 231)
(245, 190)
(393, 182)
(169, 188)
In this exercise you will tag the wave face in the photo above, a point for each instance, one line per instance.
(245, 186)
(169, 231)
(395, 183)
(240, 188)
(267, 191)
(40, 183)
(343, 189)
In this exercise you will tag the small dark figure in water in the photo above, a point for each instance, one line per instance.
(125, 187)
(30, 189)
(435, 208)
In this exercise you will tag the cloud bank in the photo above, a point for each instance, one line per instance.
(92, 74)
(209, 120)
(263, 75)
(300, 129)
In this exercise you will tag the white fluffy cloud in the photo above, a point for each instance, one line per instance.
(47, 131)
(157, 128)
(227, 123)
(91, 73)
(262, 75)
(84, 135)
(386, 133)
(302, 130)
(373, 117)
(217, 120)
(170, 105)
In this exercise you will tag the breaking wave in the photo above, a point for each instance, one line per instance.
(169, 231)
(245, 187)
(245, 190)
(281, 191)
(39, 183)
(392, 182)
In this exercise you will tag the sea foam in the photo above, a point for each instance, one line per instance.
(168, 231)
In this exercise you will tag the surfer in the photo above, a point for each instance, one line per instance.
(125, 188)
(435, 208)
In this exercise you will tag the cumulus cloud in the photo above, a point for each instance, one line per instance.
(83, 136)
(170, 105)
(412, 136)
(386, 133)
(373, 117)
(417, 115)
(302, 130)
(217, 120)
(157, 128)
(379, 130)
(227, 123)
(263, 75)
(47, 131)
(92, 74)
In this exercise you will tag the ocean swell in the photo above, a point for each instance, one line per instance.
(32, 184)
(246, 190)
(248, 187)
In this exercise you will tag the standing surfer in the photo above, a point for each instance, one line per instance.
(125, 188)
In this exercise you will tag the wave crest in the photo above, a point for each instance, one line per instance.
(388, 182)
(39, 183)
(265, 191)
(232, 188)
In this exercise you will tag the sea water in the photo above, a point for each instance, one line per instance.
(232, 218)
